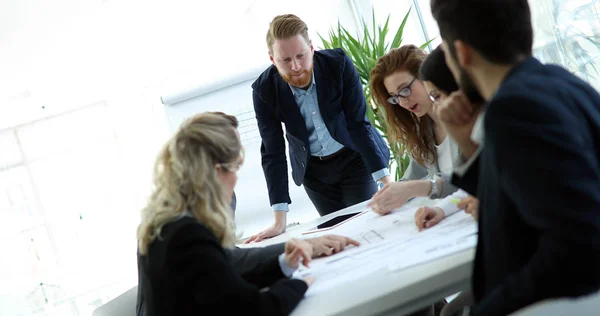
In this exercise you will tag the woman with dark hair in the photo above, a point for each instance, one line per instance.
(402, 83)
(436, 76)
(439, 83)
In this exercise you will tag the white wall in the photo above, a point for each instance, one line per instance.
(253, 208)
(108, 61)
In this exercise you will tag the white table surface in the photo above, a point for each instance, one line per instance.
(385, 292)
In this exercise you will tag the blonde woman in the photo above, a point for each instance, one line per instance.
(187, 226)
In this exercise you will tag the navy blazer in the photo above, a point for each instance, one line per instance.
(342, 106)
(538, 181)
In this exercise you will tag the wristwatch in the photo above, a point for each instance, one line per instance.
(435, 193)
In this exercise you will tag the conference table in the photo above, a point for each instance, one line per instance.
(385, 292)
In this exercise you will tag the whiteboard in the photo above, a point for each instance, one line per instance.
(234, 97)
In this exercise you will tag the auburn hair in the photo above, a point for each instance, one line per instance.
(402, 125)
(285, 26)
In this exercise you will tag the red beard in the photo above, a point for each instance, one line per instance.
(298, 81)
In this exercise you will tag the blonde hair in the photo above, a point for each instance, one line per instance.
(285, 26)
(185, 178)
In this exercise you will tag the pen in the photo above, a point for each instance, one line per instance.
(293, 224)
(454, 200)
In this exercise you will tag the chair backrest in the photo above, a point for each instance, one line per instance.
(582, 306)
(122, 305)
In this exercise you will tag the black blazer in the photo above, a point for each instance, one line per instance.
(259, 265)
(538, 181)
(187, 272)
(342, 106)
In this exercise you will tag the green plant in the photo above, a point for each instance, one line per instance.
(364, 53)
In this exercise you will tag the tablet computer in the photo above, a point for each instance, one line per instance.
(334, 222)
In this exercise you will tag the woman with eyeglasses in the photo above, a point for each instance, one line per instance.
(409, 102)
(187, 225)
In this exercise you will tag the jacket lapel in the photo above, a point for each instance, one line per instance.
(322, 86)
(294, 122)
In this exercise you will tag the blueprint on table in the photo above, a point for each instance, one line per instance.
(389, 242)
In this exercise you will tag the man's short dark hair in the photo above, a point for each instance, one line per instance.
(500, 30)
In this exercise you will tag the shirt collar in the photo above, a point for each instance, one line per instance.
(478, 132)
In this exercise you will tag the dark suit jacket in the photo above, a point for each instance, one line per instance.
(260, 265)
(538, 181)
(342, 106)
(187, 272)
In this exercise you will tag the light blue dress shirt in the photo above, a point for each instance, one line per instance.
(285, 269)
(320, 141)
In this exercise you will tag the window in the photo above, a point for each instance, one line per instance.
(64, 196)
(420, 26)
(567, 32)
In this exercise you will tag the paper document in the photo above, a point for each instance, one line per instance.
(373, 228)
(389, 242)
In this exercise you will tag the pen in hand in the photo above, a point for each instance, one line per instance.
(426, 217)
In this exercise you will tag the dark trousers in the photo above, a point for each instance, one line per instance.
(338, 182)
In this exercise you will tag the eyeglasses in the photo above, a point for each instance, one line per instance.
(435, 98)
(404, 93)
(231, 166)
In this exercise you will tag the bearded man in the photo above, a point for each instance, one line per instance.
(334, 150)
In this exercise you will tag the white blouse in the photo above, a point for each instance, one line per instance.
(444, 156)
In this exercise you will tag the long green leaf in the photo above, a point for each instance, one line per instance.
(357, 52)
(381, 46)
(427, 43)
(374, 33)
(367, 43)
(352, 41)
(339, 35)
(397, 41)
(373, 20)
(326, 44)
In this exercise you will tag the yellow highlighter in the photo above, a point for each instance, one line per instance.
(454, 200)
